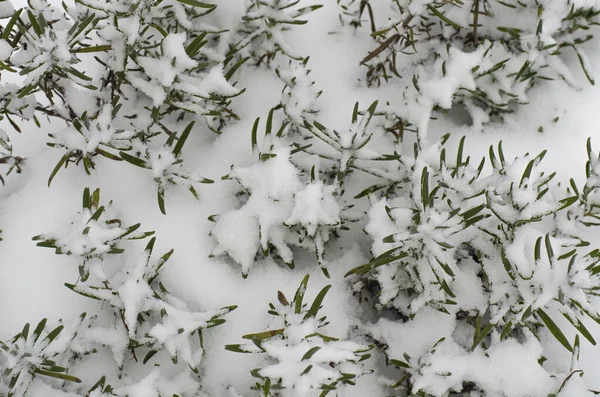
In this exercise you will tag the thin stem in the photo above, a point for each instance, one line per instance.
(475, 22)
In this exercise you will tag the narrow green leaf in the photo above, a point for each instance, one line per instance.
(480, 336)
(67, 377)
(196, 44)
(133, 160)
(299, 296)
(60, 163)
(310, 353)
(38, 330)
(34, 23)
(314, 308)
(93, 48)
(182, 139)
(554, 330)
(264, 334)
(196, 3)
(54, 333)
(425, 187)
(255, 134)
(11, 23)
(149, 355)
(161, 200)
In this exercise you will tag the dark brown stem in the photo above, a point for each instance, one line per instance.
(387, 43)
(381, 48)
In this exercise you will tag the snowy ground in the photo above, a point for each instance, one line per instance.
(31, 278)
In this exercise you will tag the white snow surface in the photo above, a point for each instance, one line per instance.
(32, 279)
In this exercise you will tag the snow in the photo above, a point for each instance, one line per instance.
(6, 9)
(273, 205)
(5, 50)
(508, 368)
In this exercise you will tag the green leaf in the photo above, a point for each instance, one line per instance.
(355, 113)
(54, 333)
(133, 160)
(234, 68)
(398, 363)
(196, 3)
(425, 187)
(60, 163)
(480, 334)
(79, 74)
(97, 214)
(38, 330)
(506, 330)
(149, 355)
(554, 330)
(269, 122)
(77, 29)
(459, 154)
(369, 190)
(35, 24)
(383, 259)
(255, 134)
(306, 370)
(566, 202)
(549, 250)
(25, 331)
(299, 296)
(57, 375)
(93, 48)
(237, 348)
(161, 199)
(443, 17)
(310, 353)
(472, 212)
(314, 308)
(86, 198)
(11, 23)
(182, 139)
(581, 328)
(264, 334)
(196, 44)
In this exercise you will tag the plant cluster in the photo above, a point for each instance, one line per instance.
(482, 54)
(473, 262)
(306, 360)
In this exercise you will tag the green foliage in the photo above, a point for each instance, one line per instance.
(32, 354)
(320, 362)
(519, 45)
(93, 236)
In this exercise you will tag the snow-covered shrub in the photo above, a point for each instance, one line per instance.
(166, 165)
(92, 236)
(471, 271)
(120, 55)
(464, 245)
(586, 212)
(146, 315)
(503, 49)
(303, 361)
(261, 34)
(32, 354)
(300, 93)
(143, 316)
(280, 210)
